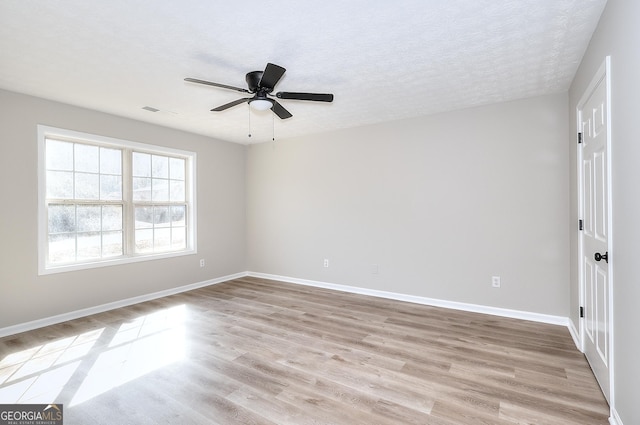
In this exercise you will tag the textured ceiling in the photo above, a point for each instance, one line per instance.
(382, 60)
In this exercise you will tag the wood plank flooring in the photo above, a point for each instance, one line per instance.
(253, 351)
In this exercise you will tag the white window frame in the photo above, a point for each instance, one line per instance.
(129, 256)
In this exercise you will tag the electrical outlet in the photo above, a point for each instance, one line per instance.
(202, 263)
(374, 269)
(326, 262)
(495, 281)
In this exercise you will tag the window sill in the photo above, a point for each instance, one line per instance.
(113, 262)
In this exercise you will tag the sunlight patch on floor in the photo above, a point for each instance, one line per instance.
(138, 348)
(86, 365)
(38, 374)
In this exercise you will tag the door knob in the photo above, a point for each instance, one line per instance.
(604, 256)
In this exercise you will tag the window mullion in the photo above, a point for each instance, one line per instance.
(128, 227)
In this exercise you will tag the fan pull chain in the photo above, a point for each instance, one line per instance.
(249, 110)
(273, 128)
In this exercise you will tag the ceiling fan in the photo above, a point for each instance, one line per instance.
(261, 84)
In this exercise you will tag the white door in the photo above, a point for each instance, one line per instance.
(593, 116)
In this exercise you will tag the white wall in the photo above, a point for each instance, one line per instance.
(439, 203)
(25, 296)
(618, 35)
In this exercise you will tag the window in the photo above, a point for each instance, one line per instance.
(159, 202)
(104, 201)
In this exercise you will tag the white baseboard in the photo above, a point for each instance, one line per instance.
(614, 419)
(476, 308)
(495, 311)
(35, 324)
(575, 335)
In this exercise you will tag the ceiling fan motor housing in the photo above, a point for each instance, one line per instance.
(253, 80)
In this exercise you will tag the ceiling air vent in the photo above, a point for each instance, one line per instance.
(150, 109)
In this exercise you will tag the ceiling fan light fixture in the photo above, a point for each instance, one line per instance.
(261, 104)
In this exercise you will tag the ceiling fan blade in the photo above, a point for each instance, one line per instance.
(209, 83)
(230, 105)
(271, 75)
(316, 97)
(279, 110)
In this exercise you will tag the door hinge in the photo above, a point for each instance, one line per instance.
(581, 312)
(580, 224)
(579, 137)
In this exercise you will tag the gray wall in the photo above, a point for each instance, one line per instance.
(25, 296)
(618, 35)
(439, 203)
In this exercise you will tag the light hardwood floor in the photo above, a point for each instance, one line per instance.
(253, 351)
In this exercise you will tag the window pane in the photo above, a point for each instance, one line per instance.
(141, 164)
(160, 191)
(141, 189)
(59, 155)
(86, 158)
(62, 248)
(111, 188)
(88, 218)
(161, 217)
(110, 161)
(62, 218)
(177, 216)
(178, 238)
(162, 240)
(59, 184)
(144, 217)
(112, 244)
(112, 217)
(160, 166)
(177, 191)
(87, 186)
(176, 168)
(144, 241)
(89, 245)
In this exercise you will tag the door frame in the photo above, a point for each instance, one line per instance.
(603, 74)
